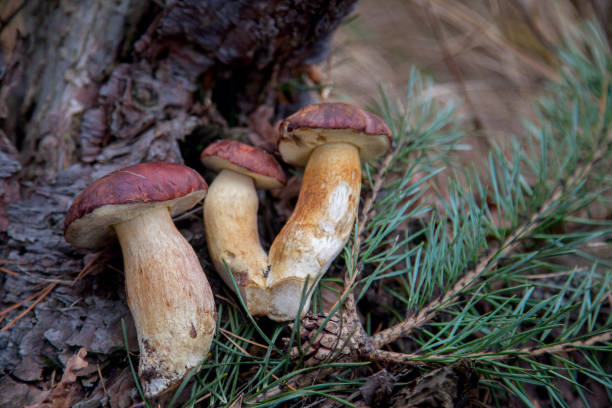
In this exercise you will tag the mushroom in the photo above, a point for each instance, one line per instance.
(331, 139)
(230, 216)
(166, 289)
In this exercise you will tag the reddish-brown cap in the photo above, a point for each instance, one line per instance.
(123, 194)
(314, 125)
(244, 159)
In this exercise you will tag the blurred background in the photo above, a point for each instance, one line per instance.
(492, 57)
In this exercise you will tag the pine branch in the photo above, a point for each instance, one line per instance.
(416, 359)
(492, 260)
(379, 179)
(517, 303)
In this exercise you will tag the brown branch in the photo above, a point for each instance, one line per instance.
(349, 279)
(416, 359)
(490, 261)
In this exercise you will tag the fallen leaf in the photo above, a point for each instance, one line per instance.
(264, 135)
(61, 395)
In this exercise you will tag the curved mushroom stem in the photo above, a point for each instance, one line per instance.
(169, 297)
(230, 217)
(317, 230)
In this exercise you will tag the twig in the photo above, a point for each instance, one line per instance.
(102, 380)
(188, 214)
(254, 343)
(418, 359)
(491, 260)
(45, 292)
(21, 302)
(8, 271)
(569, 346)
(203, 397)
(393, 357)
(236, 344)
(87, 268)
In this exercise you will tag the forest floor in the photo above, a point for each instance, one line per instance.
(492, 59)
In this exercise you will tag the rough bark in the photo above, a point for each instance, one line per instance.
(88, 87)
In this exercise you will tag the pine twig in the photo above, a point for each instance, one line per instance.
(21, 302)
(417, 359)
(490, 261)
(89, 267)
(349, 279)
(8, 271)
(44, 293)
(379, 178)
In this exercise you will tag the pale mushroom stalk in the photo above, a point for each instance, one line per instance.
(230, 214)
(160, 264)
(230, 217)
(167, 290)
(317, 230)
(331, 140)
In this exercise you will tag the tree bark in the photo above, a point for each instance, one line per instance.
(89, 87)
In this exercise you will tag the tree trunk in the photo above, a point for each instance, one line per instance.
(89, 87)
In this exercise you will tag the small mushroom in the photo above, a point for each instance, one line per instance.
(331, 139)
(166, 289)
(230, 216)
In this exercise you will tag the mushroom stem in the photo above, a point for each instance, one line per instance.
(169, 297)
(230, 217)
(317, 230)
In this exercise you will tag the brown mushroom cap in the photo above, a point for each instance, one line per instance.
(244, 159)
(124, 194)
(314, 125)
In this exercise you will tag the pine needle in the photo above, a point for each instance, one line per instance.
(42, 296)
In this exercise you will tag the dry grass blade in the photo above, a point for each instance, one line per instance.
(463, 17)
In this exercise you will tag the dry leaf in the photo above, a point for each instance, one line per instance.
(61, 395)
(265, 135)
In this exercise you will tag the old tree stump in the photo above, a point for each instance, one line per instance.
(89, 87)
